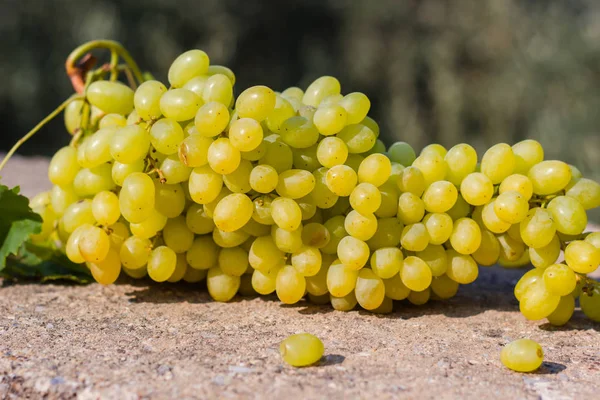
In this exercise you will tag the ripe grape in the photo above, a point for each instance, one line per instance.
(301, 350)
(523, 355)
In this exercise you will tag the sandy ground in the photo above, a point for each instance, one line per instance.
(130, 341)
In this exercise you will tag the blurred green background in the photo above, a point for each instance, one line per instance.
(471, 71)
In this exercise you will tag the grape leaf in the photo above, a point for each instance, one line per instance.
(17, 222)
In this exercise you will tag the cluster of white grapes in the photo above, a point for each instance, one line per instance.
(292, 192)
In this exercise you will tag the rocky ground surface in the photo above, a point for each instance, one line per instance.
(132, 340)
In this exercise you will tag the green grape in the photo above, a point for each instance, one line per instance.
(434, 148)
(461, 161)
(439, 227)
(341, 180)
(161, 264)
(403, 153)
(203, 253)
(135, 252)
(444, 287)
(239, 180)
(436, 258)
(343, 303)
(371, 124)
(256, 229)
(177, 236)
(576, 175)
(395, 289)
(137, 197)
(306, 158)
(528, 279)
(559, 279)
(211, 119)
(365, 198)
(205, 184)
(111, 97)
(341, 207)
(477, 189)
(498, 162)
(245, 134)
(388, 233)
(527, 154)
(278, 155)
(523, 355)
(283, 110)
(299, 132)
(545, 256)
(264, 254)
(315, 235)
(460, 209)
(262, 209)
(264, 178)
(186, 66)
(229, 239)
(295, 183)
(538, 228)
(180, 104)
(194, 275)
(411, 208)
(88, 182)
(387, 262)
(590, 304)
(517, 183)
(357, 106)
(440, 196)
(107, 271)
(256, 102)
(586, 192)
(73, 116)
(461, 267)
(414, 237)
(378, 148)
(293, 93)
(77, 214)
(415, 274)
(223, 157)
(582, 257)
(511, 207)
(353, 161)
(369, 290)
(316, 285)
(63, 166)
(180, 269)
(360, 226)
(358, 138)
(197, 220)
(72, 246)
(286, 213)
(537, 302)
(466, 236)
(568, 214)
(166, 135)
(489, 250)
(94, 244)
(510, 249)
(335, 227)
(353, 253)
(594, 239)
(220, 69)
(290, 285)
(218, 88)
(120, 171)
(397, 170)
(221, 286)
(549, 177)
(419, 298)
(130, 144)
(307, 260)
(341, 279)
(169, 199)
(264, 282)
(233, 212)
(147, 99)
(62, 197)
(118, 233)
(389, 200)
(330, 119)
(320, 89)
(433, 166)
(323, 197)
(374, 169)
(491, 220)
(564, 311)
(233, 261)
(301, 350)
(105, 208)
(318, 300)
(149, 227)
(97, 148)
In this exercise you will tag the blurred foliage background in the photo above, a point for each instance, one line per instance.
(441, 71)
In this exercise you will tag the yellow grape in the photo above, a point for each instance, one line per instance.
(290, 285)
(283, 110)
(538, 228)
(523, 355)
(369, 290)
(186, 66)
(147, 100)
(357, 106)
(301, 350)
(307, 260)
(564, 311)
(498, 162)
(517, 183)
(245, 134)
(489, 250)
(466, 236)
(461, 161)
(511, 207)
(559, 279)
(341, 180)
(440, 196)
(332, 151)
(375, 169)
(111, 97)
(491, 220)
(549, 177)
(436, 258)
(177, 236)
(180, 104)
(353, 253)
(414, 237)
(461, 267)
(218, 88)
(135, 252)
(264, 254)
(582, 257)
(360, 226)
(320, 89)
(203, 253)
(439, 227)
(527, 154)
(330, 119)
(341, 279)
(256, 102)
(358, 138)
(221, 287)
(108, 270)
(295, 183)
(586, 192)
(547, 255)
(433, 166)
(415, 274)
(411, 208)
(477, 189)
(161, 263)
(105, 208)
(568, 214)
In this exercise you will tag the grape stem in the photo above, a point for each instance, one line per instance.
(39, 126)
(77, 72)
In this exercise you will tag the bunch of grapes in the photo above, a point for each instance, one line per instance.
(293, 193)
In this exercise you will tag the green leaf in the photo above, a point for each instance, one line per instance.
(17, 222)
